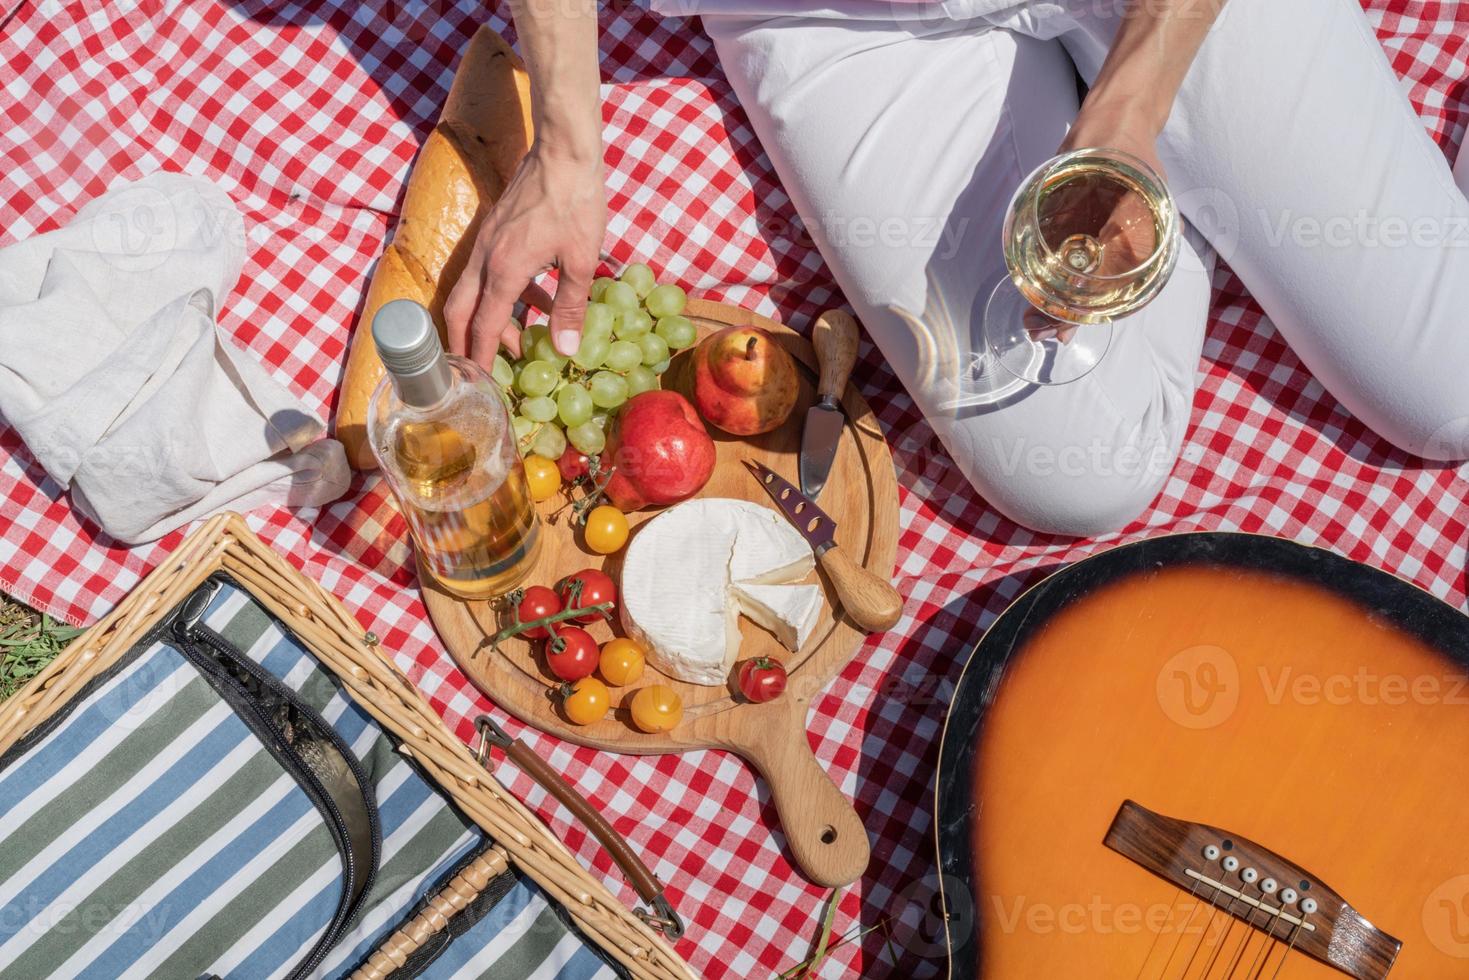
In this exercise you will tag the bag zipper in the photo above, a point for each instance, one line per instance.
(189, 631)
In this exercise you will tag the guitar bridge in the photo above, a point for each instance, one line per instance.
(1257, 887)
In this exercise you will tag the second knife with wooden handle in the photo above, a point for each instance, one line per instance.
(870, 600)
(835, 340)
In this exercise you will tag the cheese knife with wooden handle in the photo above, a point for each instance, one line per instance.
(835, 340)
(870, 600)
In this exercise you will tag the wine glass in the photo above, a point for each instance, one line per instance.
(1090, 237)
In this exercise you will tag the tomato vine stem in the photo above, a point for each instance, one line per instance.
(518, 627)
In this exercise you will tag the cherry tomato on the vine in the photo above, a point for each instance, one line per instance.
(586, 588)
(573, 464)
(542, 477)
(586, 701)
(621, 662)
(571, 653)
(762, 679)
(537, 603)
(656, 708)
(606, 529)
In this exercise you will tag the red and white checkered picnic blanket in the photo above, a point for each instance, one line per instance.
(309, 113)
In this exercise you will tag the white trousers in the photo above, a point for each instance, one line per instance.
(1291, 149)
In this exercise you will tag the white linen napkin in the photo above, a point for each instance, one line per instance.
(115, 375)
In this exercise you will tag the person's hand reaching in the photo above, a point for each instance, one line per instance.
(553, 215)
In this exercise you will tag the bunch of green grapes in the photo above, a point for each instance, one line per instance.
(632, 328)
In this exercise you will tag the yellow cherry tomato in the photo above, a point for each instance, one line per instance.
(656, 708)
(543, 476)
(586, 701)
(621, 662)
(606, 530)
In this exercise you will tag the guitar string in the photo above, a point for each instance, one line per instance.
(1270, 951)
(1294, 934)
(1245, 940)
(1266, 948)
(1223, 939)
(1276, 943)
(1249, 935)
(1213, 911)
(1239, 952)
(1159, 934)
(1179, 938)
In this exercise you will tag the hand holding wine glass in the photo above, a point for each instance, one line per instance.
(1125, 235)
(1101, 123)
(1091, 236)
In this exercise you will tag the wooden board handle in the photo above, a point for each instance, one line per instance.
(869, 600)
(835, 338)
(824, 833)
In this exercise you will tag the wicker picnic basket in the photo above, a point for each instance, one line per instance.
(226, 544)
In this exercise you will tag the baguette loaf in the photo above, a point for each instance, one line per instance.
(463, 167)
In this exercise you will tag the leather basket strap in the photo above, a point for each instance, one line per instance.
(660, 915)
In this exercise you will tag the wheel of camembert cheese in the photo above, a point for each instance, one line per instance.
(692, 571)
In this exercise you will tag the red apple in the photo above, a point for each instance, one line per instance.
(744, 381)
(661, 450)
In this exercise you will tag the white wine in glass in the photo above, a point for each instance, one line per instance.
(1090, 237)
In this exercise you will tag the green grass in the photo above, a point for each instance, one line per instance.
(28, 642)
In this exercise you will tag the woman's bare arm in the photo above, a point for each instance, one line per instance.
(554, 213)
(1133, 94)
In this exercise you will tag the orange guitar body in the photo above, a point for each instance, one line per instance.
(1308, 704)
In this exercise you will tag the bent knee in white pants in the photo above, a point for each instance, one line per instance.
(1088, 457)
(1290, 123)
(901, 156)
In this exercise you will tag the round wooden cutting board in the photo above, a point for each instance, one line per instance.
(861, 496)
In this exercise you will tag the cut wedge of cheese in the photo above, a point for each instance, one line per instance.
(769, 551)
(788, 611)
(690, 573)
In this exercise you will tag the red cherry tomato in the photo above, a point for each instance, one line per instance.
(571, 653)
(762, 679)
(573, 465)
(537, 603)
(596, 588)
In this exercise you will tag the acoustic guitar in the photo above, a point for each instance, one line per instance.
(1210, 756)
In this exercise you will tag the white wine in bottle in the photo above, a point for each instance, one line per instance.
(441, 433)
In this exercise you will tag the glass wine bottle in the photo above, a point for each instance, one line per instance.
(440, 430)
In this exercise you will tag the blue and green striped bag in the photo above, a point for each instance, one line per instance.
(216, 805)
